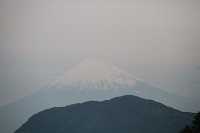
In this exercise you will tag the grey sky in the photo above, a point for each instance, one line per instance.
(155, 40)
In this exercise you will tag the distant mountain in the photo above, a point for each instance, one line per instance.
(94, 74)
(100, 80)
(90, 80)
(126, 114)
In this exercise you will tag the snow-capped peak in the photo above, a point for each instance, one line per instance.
(94, 74)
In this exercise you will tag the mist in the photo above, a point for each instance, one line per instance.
(155, 41)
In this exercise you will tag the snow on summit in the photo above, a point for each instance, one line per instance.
(94, 74)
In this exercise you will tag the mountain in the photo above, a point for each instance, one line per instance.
(126, 114)
(94, 74)
(100, 80)
(90, 80)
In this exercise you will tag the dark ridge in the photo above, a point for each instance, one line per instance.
(126, 114)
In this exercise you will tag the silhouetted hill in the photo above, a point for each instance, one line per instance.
(126, 114)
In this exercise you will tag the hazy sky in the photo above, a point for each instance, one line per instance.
(157, 41)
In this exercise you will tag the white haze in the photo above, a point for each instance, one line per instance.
(156, 41)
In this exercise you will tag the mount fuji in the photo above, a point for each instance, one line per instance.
(90, 80)
(94, 74)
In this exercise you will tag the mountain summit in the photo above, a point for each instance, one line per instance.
(94, 74)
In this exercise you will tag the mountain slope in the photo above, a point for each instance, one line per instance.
(125, 114)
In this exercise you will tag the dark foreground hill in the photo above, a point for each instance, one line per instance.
(126, 114)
